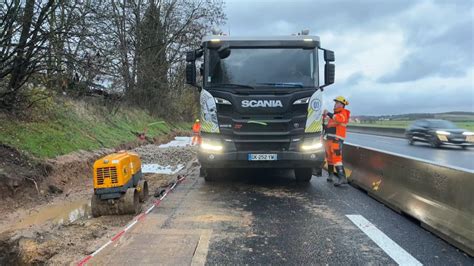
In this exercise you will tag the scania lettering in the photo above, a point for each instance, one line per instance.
(261, 102)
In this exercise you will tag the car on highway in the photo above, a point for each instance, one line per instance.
(439, 132)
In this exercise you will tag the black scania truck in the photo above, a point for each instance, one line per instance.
(261, 103)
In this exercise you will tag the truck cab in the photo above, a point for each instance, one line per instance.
(261, 103)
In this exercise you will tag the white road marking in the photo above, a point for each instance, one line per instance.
(397, 253)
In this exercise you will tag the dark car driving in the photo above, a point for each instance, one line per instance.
(438, 132)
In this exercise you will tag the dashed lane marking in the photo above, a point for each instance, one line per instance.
(397, 253)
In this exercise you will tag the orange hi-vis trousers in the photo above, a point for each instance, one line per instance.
(333, 152)
(196, 139)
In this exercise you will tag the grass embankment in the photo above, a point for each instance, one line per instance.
(468, 125)
(69, 126)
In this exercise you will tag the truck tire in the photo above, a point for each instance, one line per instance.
(317, 171)
(303, 175)
(212, 174)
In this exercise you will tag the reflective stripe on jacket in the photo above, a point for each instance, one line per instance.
(336, 128)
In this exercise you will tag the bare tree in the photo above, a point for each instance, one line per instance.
(133, 47)
(23, 35)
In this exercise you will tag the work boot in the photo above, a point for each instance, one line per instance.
(330, 173)
(341, 176)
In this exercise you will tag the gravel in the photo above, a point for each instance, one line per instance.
(172, 156)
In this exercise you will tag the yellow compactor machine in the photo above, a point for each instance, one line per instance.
(119, 186)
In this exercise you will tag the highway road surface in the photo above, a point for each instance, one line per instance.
(266, 218)
(449, 156)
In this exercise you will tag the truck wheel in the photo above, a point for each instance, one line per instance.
(303, 175)
(317, 172)
(212, 174)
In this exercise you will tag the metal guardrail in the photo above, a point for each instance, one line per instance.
(381, 131)
(439, 197)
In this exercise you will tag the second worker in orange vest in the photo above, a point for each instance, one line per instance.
(335, 134)
(196, 133)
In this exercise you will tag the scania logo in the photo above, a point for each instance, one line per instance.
(261, 103)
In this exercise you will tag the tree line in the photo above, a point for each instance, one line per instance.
(131, 51)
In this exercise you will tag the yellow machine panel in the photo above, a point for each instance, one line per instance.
(116, 169)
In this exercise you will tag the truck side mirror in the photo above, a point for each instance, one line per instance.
(329, 69)
(329, 56)
(223, 52)
(191, 73)
(329, 73)
(190, 56)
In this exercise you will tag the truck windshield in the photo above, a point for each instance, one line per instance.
(273, 67)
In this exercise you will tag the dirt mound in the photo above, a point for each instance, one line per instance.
(49, 243)
(165, 156)
(20, 174)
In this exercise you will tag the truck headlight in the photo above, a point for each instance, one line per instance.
(441, 132)
(312, 144)
(302, 101)
(207, 145)
(468, 133)
(222, 101)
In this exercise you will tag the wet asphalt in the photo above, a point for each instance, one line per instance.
(447, 155)
(295, 223)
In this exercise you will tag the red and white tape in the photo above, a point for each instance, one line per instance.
(135, 220)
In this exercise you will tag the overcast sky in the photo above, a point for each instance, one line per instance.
(392, 57)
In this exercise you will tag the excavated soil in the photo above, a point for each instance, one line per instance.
(52, 224)
(26, 182)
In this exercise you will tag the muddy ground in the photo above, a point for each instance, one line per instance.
(50, 223)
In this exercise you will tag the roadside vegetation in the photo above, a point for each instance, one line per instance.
(463, 120)
(69, 125)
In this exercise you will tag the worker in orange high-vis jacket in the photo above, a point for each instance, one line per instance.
(196, 133)
(335, 134)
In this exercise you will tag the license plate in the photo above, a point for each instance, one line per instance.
(442, 138)
(262, 157)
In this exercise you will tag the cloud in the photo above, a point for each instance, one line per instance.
(448, 54)
(391, 56)
(251, 17)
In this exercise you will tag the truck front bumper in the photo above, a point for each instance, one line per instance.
(239, 159)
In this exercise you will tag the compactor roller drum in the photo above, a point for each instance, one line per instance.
(119, 186)
(142, 188)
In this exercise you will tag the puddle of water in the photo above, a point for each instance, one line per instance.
(159, 169)
(67, 212)
(177, 142)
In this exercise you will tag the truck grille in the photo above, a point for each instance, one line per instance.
(271, 127)
(107, 172)
(259, 146)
